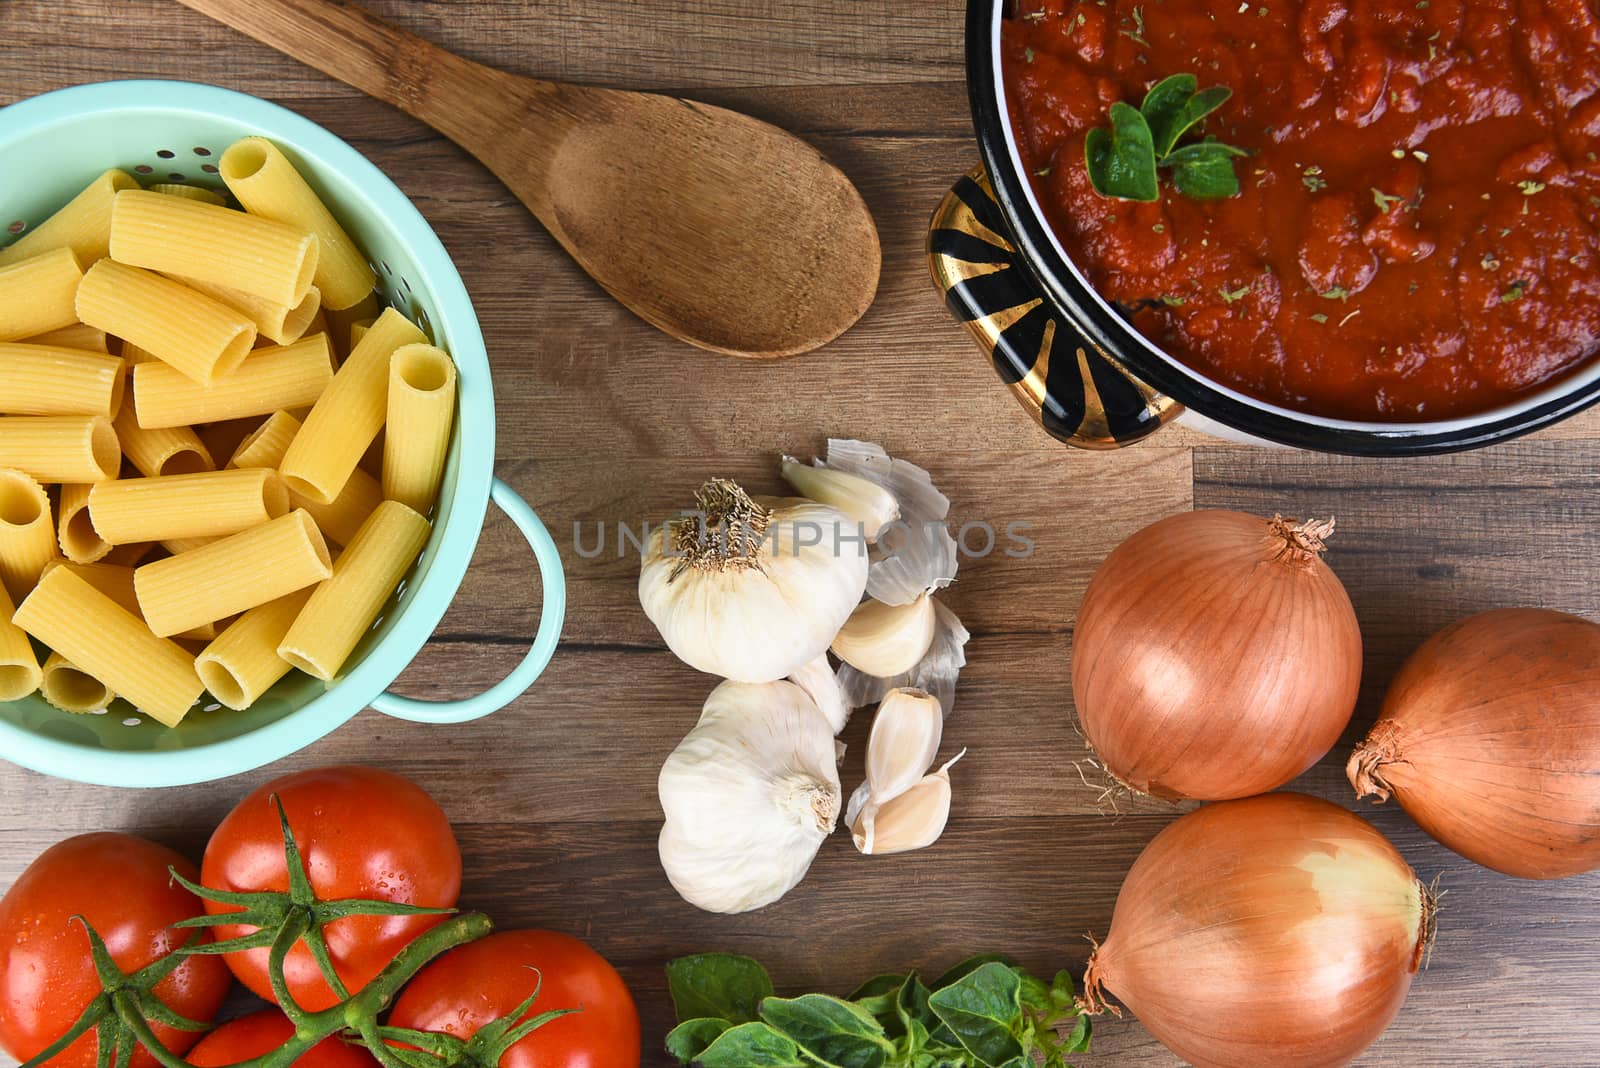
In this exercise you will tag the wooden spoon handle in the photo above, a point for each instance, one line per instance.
(456, 96)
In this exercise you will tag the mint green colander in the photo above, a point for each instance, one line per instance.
(50, 147)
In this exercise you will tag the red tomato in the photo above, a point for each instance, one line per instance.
(475, 984)
(120, 884)
(363, 833)
(264, 1031)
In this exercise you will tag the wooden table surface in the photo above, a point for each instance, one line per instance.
(601, 419)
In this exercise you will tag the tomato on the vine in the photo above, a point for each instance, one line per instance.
(262, 1032)
(120, 885)
(363, 833)
(478, 983)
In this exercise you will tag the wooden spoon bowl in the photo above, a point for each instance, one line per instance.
(720, 229)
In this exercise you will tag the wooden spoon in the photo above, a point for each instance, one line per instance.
(720, 229)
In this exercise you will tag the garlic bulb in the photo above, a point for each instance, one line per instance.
(863, 501)
(822, 686)
(752, 590)
(885, 640)
(749, 796)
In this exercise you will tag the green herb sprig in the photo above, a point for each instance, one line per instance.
(1125, 161)
(984, 1013)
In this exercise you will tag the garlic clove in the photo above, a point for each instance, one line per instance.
(858, 801)
(863, 501)
(913, 820)
(905, 738)
(885, 640)
(819, 682)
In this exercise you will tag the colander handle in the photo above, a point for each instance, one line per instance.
(551, 615)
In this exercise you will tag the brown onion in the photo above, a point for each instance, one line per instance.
(1216, 656)
(1490, 739)
(1275, 932)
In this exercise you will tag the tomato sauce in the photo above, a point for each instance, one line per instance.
(1416, 233)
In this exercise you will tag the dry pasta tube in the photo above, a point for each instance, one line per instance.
(133, 355)
(47, 380)
(39, 295)
(338, 521)
(233, 574)
(190, 192)
(19, 667)
(199, 336)
(342, 609)
(213, 244)
(100, 637)
(75, 532)
(84, 225)
(27, 532)
(60, 448)
(72, 689)
(422, 405)
(265, 381)
(116, 582)
(349, 413)
(205, 505)
(77, 336)
(265, 445)
(243, 662)
(276, 324)
(339, 322)
(169, 451)
(359, 331)
(267, 184)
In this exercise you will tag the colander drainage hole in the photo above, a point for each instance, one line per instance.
(209, 168)
(165, 153)
(202, 151)
(143, 168)
(16, 227)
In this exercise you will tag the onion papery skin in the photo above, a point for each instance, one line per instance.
(1213, 659)
(1275, 932)
(1490, 739)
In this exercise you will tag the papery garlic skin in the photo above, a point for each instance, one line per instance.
(885, 640)
(862, 500)
(749, 795)
(770, 608)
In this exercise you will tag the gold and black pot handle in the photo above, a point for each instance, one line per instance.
(1072, 387)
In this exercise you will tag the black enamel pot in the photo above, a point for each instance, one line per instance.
(1082, 370)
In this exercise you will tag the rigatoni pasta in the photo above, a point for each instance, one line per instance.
(281, 324)
(265, 381)
(106, 640)
(213, 244)
(204, 505)
(243, 662)
(76, 336)
(75, 533)
(70, 688)
(258, 173)
(183, 352)
(422, 405)
(190, 192)
(84, 225)
(38, 295)
(168, 451)
(19, 667)
(60, 448)
(349, 413)
(233, 574)
(342, 609)
(338, 521)
(199, 336)
(47, 380)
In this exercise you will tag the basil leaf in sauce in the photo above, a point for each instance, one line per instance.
(1122, 161)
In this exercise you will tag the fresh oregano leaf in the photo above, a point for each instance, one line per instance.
(1078, 1040)
(981, 1010)
(1122, 161)
(1171, 115)
(837, 1033)
(1063, 994)
(970, 965)
(752, 1045)
(718, 986)
(1035, 994)
(689, 1039)
(880, 996)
